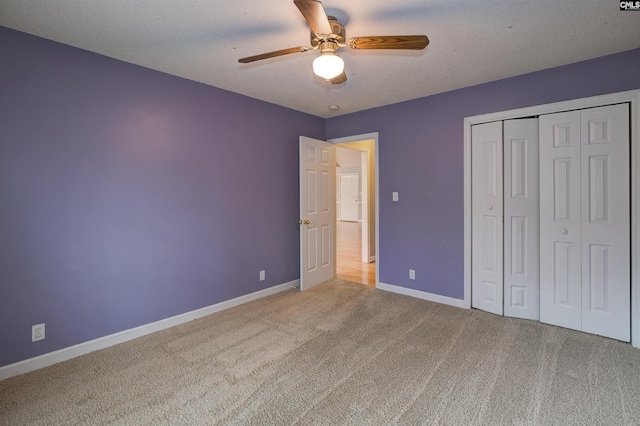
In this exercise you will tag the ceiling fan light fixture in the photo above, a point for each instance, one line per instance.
(328, 65)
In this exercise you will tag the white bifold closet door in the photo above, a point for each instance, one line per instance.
(585, 220)
(505, 218)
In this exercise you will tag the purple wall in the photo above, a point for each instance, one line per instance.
(421, 157)
(128, 196)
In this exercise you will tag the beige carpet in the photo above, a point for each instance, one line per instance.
(341, 353)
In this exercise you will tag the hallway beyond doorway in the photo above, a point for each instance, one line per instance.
(348, 255)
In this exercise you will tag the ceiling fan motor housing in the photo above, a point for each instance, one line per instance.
(338, 34)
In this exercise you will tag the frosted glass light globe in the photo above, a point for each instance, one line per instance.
(328, 65)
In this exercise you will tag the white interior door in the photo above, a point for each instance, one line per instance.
(584, 220)
(349, 197)
(521, 219)
(606, 237)
(317, 212)
(487, 217)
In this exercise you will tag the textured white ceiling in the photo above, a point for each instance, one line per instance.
(472, 42)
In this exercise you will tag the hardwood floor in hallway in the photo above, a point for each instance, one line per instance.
(349, 255)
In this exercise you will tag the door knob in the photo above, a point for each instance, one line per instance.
(564, 231)
(490, 207)
(305, 222)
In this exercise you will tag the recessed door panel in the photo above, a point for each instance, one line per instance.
(519, 297)
(491, 244)
(562, 134)
(325, 156)
(312, 184)
(599, 277)
(599, 131)
(325, 191)
(326, 245)
(599, 188)
(562, 189)
(520, 167)
(562, 278)
(490, 156)
(311, 153)
(519, 250)
(490, 292)
(312, 248)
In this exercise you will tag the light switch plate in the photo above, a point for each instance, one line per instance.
(394, 196)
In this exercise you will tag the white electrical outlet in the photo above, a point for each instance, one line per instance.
(412, 274)
(262, 275)
(37, 332)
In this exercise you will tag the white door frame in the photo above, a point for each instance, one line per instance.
(633, 97)
(363, 137)
(364, 206)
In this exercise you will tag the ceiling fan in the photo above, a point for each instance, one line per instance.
(328, 35)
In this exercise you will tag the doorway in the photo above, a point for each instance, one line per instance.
(356, 211)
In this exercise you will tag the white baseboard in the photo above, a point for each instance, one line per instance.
(458, 303)
(55, 357)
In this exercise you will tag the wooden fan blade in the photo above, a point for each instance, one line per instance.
(342, 78)
(413, 42)
(273, 54)
(315, 15)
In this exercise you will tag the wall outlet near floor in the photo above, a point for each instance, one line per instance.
(262, 275)
(37, 332)
(412, 274)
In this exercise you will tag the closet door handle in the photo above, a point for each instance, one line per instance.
(564, 231)
(490, 207)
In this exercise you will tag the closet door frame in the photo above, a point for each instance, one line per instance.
(633, 98)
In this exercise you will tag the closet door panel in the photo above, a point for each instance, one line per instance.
(560, 220)
(605, 221)
(487, 217)
(521, 219)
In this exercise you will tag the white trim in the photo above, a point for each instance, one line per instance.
(372, 259)
(55, 357)
(635, 221)
(367, 136)
(467, 215)
(633, 97)
(445, 300)
(364, 204)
